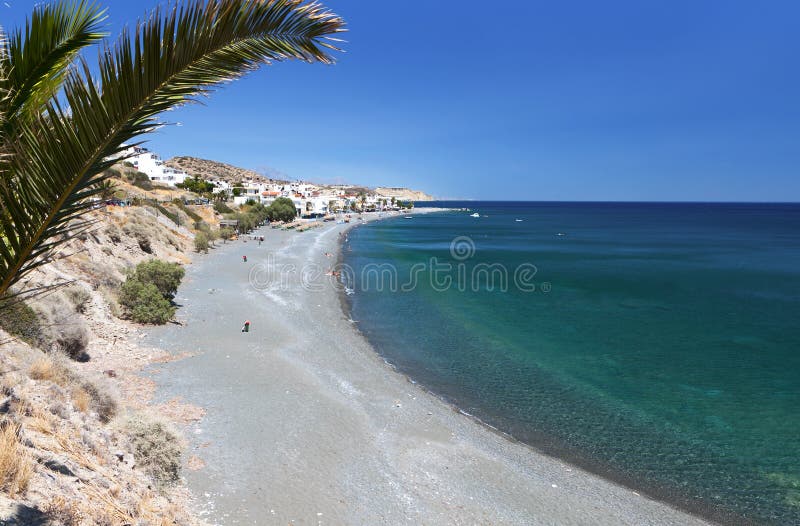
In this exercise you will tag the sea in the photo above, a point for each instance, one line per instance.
(655, 344)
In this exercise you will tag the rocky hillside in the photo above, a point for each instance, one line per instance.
(80, 442)
(205, 169)
(403, 194)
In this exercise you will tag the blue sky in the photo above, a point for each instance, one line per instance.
(570, 100)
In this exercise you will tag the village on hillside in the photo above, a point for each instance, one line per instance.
(228, 183)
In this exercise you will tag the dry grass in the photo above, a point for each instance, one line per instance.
(40, 422)
(63, 512)
(44, 369)
(16, 464)
(48, 369)
(81, 399)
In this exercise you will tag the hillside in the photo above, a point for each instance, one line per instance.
(206, 169)
(83, 440)
(404, 194)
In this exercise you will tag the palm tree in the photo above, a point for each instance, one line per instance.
(63, 123)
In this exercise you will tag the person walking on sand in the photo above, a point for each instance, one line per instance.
(244, 259)
(246, 327)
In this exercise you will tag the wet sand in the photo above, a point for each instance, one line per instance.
(306, 424)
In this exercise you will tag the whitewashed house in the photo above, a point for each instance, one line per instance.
(151, 164)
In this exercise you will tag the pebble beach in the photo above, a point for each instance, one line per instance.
(306, 424)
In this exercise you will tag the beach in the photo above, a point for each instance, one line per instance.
(306, 424)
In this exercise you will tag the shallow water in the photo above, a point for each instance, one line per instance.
(659, 347)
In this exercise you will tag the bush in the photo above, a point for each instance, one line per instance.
(147, 292)
(79, 298)
(282, 209)
(170, 215)
(165, 276)
(225, 233)
(141, 180)
(144, 303)
(222, 208)
(19, 320)
(100, 399)
(72, 339)
(246, 222)
(201, 242)
(196, 185)
(189, 212)
(157, 449)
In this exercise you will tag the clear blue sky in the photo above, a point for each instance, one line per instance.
(669, 100)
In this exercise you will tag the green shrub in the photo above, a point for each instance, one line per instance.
(225, 233)
(157, 449)
(222, 208)
(140, 180)
(202, 226)
(201, 242)
(196, 185)
(144, 303)
(282, 209)
(165, 276)
(171, 215)
(147, 292)
(189, 212)
(21, 321)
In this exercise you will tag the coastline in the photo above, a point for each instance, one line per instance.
(542, 444)
(404, 453)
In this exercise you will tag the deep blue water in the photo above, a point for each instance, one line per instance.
(660, 346)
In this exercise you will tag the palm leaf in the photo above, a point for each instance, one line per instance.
(37, 57)
(170, 59)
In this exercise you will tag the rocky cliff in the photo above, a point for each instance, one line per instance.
(404, 194)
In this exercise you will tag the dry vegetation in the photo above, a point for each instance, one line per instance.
(205, 169)
(16, 464)
(75, 446)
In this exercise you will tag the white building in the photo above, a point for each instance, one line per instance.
(151, 164)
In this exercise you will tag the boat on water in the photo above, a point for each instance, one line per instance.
(409, 217)
(476, 214)
(518, 220)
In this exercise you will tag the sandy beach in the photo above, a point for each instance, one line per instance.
(306, 424)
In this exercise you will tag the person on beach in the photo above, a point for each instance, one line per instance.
(246, 327)
(244, 259)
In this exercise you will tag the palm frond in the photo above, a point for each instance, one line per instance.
(37, 58)
(173, 57)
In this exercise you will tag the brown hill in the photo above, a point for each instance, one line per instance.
(206, 169)
(404, 194)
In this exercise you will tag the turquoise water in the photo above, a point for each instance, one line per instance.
(660, 347)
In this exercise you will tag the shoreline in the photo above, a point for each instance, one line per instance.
(485, 473)
(545, 445)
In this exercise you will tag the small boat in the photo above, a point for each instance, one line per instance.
(476, 214)
(409, 217)
(518, 220)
